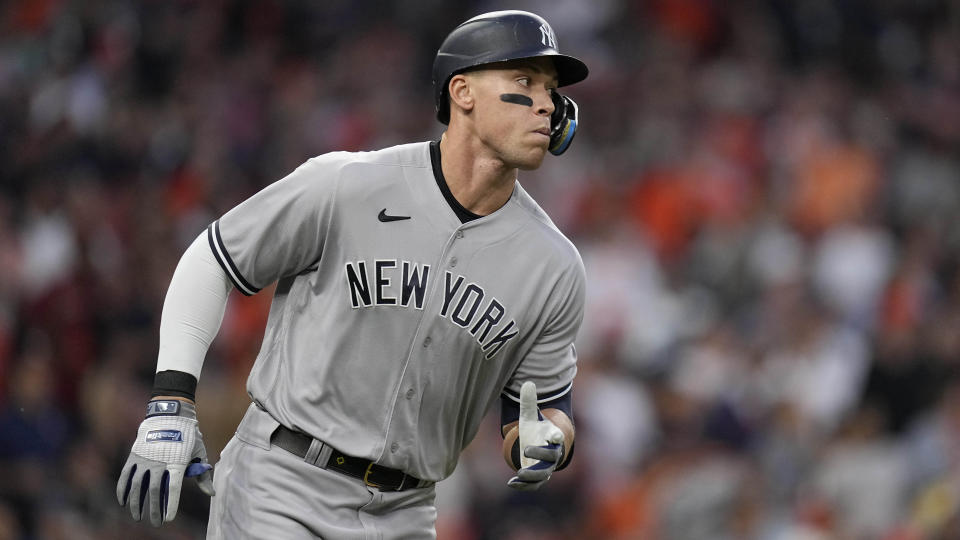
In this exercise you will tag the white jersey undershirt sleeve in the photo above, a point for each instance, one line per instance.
(192, 310)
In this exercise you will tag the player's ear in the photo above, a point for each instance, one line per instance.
(461, 92)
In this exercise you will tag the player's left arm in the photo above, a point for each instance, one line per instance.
(538, 427)
(536, 445)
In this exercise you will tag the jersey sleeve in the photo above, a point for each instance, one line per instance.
(552, 361)
(280, 230)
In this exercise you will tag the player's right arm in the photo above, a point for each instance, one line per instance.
(277, 232)
(169, 445)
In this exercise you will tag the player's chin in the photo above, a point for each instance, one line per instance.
(532, 159)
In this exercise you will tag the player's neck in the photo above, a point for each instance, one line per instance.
(479, 182)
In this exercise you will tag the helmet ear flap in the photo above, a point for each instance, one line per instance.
(563, 123)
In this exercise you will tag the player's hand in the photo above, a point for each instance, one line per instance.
(169, 446)
(541, 443)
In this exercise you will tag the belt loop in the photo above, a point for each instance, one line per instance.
(314, 451)
(323, 458)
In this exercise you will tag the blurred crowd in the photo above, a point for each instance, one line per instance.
(765, 195)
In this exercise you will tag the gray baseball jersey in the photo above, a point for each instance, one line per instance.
(394, 325)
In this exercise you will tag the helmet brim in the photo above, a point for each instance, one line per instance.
(570, 70)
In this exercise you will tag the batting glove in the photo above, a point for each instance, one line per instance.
(541, 443)
(169, 446)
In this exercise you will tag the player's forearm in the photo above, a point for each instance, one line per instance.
(559, 418)
(193, 310)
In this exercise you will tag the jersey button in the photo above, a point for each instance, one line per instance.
(394, 447)
(426, 342)
(410, 393)
(453, 261)
(459, 234)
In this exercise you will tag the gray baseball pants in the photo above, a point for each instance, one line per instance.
(270, 494)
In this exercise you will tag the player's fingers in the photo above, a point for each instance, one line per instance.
(520, 485)
(174, 487)
(196, 468)
(549, 453)
(203, 472)
(164, 495)
(554, 435)
(531, 474)
(205, 483)
(528, 402)
(124, 482)
(154, 499)
(138, 492)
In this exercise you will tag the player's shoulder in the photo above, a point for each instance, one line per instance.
(415, 154)
(550, 238)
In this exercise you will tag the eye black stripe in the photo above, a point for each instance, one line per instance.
(518, 99)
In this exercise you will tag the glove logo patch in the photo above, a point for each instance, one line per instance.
(163, 407)
(164, 435)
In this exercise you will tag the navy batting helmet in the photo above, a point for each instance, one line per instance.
(496, 37)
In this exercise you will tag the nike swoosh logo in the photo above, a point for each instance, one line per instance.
(384, 217)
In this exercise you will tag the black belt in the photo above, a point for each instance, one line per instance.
(372, 474)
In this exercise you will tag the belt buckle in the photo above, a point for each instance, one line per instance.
(381, 487)
(366, 479)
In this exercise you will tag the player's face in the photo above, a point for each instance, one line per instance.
(513, 108)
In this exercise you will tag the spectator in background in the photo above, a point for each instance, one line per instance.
(765, 196)
(33, 432)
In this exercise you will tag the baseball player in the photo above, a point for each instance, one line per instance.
(416, 286)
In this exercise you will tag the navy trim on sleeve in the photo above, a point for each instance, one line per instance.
(510, 407)
(541, 398)
(223, 257)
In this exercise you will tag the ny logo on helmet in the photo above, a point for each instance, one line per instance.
(547, 37)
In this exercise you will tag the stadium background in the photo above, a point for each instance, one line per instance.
(765, 194)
